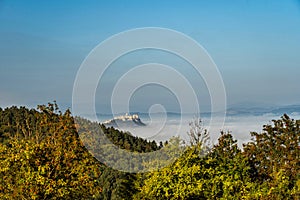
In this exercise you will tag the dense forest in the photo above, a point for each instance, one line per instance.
(43, 157)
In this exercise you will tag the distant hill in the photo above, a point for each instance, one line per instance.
(287, 109)
(239, 109)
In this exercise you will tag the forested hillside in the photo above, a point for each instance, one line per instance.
(42, 157)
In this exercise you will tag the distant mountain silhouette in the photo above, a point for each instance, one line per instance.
(261, 110)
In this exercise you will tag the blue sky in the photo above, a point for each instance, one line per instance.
(255, 45)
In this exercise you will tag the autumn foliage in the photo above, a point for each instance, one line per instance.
(42, 157)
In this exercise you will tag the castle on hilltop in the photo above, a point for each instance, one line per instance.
(127, 118)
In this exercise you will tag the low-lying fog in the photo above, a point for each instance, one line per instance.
(161, 127)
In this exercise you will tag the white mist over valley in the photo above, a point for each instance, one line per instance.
(162, 126)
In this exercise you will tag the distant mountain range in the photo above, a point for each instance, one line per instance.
(255, 110)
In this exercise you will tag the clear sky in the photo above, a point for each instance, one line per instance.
(255, 44)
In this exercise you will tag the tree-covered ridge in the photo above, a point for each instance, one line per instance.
(129, 142)
(42, 157)
(25, 123)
